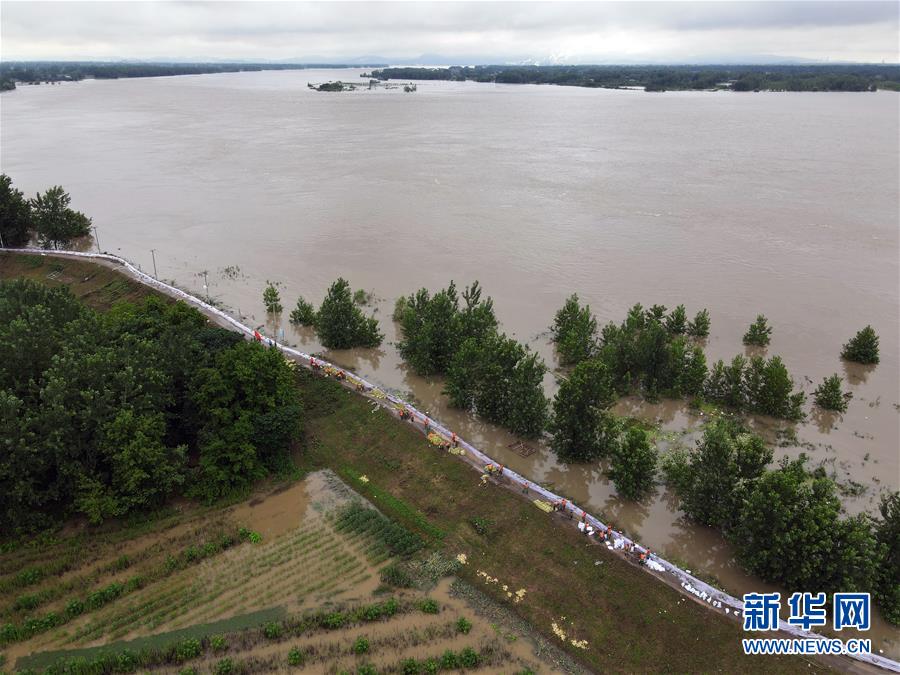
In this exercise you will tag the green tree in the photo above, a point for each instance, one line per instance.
(304, 314)
(582, 427)
(633, 464)
(574, 331)
(830, 396)
(699, 327)
(887, 534)
(429, 330)
(788, 530)
(712, 479)
(676, 322)
(501, 381)
(15, 214)
(56, 224)
(863, 347)
(759, 334)
(272, 299)
(340, 323)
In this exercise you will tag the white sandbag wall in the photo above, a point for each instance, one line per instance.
(715, 598)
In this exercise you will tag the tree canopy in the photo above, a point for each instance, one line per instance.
(574, 331)
(863, 347)
(101, 414)
(633, 464)
(583, 429)
(15, 214)
(55, 223)
(341, 324)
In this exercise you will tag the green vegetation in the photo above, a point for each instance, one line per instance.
(500, 380)
(860, 77)
(340, 323)
(785, 524)
(272, 299)
(433, 328)
(699, 327)
(359, 519)
(633, 464)
(830, 396)
(47, 217)
(759, 334)
(582, 427)
(35, 72)
(863, 347)
(304, 314)
(756, 385)
(574, 331)
(15, 214)
(463, 625)
(644, 354)
(887, 536)
(295, 657)
(108, 407)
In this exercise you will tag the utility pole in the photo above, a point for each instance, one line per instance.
(153, 253)
(1, 241)
(205, 286)
(96, 239)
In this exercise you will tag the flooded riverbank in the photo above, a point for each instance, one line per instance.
(784, 204)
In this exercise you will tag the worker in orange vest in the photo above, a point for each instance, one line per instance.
(455, 440)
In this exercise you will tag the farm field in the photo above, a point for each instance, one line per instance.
(294, 554)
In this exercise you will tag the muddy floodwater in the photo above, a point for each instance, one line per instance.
(778, 203)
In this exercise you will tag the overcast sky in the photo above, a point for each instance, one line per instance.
(463, 32)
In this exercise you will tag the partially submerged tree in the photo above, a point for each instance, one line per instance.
(340, 323)
(712, 479)
(633, 464)
(862, 347)
(582, 427)
(699, 327)
(304, 314)
(759, 334)
(830, 396)
(272, 299)
(501, 381)
(756, 385)
(574, 331)
(56, 224)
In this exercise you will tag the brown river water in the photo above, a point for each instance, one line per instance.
(776, 203)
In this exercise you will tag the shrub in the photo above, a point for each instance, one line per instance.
(295, 657)
(26, 602)
(429, 606)
(74, 608)
(361, 645)
(122, 562)
(759, 334)
(410, 667)
(449, 660)
(218, 643)
(397, 575)
(367, 669)
(463, 625)
(335, 620)
(224, 667)
(863, 347)
(188, 649)
(830, 396)
(482, 525)
(468, 658)
(272, 630)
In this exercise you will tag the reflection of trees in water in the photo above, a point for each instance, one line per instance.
(856, 373)
(825, 420)
(700, 546)
(663, 411)
(670, 499)
(626, 515)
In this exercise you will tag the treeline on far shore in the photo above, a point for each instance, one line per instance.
(859, 77)
(35, 72)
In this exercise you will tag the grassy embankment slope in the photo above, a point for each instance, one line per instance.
(629, 622)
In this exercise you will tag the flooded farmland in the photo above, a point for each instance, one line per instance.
(774, 203)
